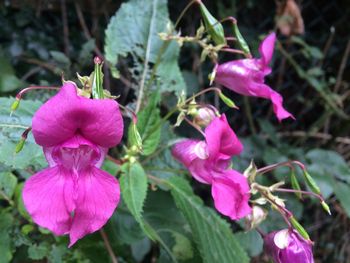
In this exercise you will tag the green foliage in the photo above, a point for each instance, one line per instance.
(145, 19)
(212, 234)
(6, 221)
(8, 79)
(133, 184)
(8, 182)
(149, 125)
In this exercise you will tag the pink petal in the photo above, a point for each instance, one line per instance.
(66, 114)
(184, 151)
(265, 91)
(98, 196)
(230, 191)
(49, 198)
(267, 47)
(221, 139)
(202, 170)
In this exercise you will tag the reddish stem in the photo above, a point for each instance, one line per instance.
(23, 91)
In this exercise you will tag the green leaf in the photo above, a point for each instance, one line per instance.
(133, 184)
(148, 125)
(37, 252)
(133, 31)
(11, 129)
(6, 222)
(251, 241)
(342, 191)
(8, 80)
(212, 234)
(183, 248)
(8, 182)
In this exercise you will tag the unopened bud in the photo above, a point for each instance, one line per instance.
(204, 116)
(298, 227)
(257, 216)
(15, 105)
(19, 145)
(311, 183)
(227, 101)
(213, 26)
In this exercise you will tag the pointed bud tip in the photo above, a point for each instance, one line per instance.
(98, 60)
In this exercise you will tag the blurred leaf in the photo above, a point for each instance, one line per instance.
(110, 167)
(37, 252)
(6, 222)
(134, 31)
(86, 52)
(183, 248)
(251, 241)
(19, 202)
(60, 58)
(148, 125)
(8, 80)
(212, 234)
(342, 191)
(8, 182)
(140, 249)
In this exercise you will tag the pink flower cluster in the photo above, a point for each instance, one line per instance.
(73, 195)
(208, 162)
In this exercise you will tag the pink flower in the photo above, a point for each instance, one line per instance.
(208, 161)
(287, 246)
(73, 196)
(246, 77)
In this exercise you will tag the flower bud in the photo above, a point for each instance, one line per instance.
(204, 116)
(287, 246)
(256, 217)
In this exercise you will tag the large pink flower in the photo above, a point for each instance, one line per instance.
(208, 161)
(73, 196)
(246, 77)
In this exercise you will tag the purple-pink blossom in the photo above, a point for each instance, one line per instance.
(247, 77)
(73, 195)
(208, 163)
(287, 246)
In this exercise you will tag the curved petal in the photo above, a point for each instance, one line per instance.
(66, 114)
(184, 151)
(202, 170)
(266, 92)
(221, 139)
(267, 47)
(98, 196)
(49, 198)
(230, 191)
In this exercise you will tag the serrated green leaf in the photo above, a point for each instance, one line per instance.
(212, 234)
(133, 184)
(342, 191)
(145, 19)
(148, 125)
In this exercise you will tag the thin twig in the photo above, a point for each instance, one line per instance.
(65, 27)
(342, 68)
(96, 49)
(108, 246)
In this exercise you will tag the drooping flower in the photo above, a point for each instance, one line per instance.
(73, 196)
(287, 246)
(208, 163)
(246, 77)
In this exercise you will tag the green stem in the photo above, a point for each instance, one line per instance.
(248, 112)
